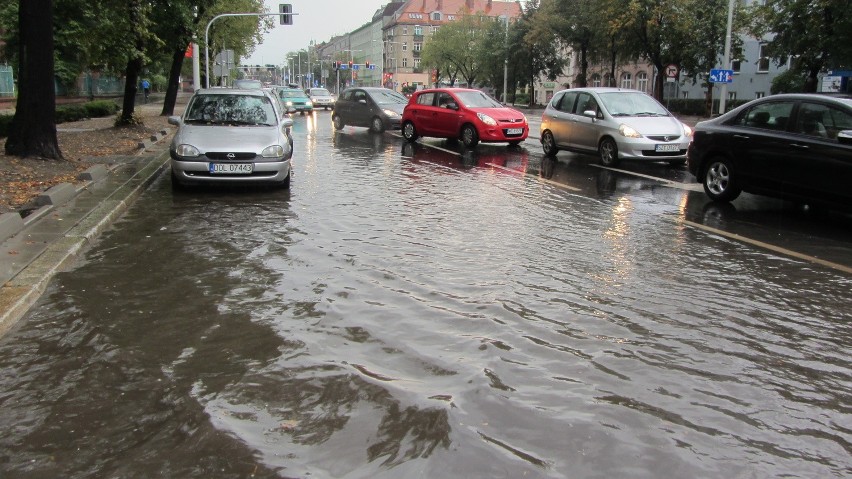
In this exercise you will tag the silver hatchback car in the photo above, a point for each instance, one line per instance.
(614, 123)
(232, 136)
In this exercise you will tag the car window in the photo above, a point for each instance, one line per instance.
(837, 120)
(477, 99)
(347, 95)
(586, 102)
(387, 97)
(360, 95)
(426, 99)
(444, 100)
(771, 115)
(320, 92)
(820, 120)
(567, 103)
(627, 103)
(231, 109)
(290, 94)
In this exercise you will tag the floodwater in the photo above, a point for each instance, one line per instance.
(404, 313)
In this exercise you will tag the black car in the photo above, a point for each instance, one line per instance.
(376, 108)
(793, 146)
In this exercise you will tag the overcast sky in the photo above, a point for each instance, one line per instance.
(317, 20)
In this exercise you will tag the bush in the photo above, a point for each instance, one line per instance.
(66, 113)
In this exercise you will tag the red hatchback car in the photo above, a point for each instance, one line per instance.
(461, 113)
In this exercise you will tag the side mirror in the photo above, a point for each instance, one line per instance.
(453, 106)
(845, 137)
(174, 120)
(287, 123)
(362, 101)
(590, 114)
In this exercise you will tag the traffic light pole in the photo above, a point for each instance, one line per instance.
(207, 35)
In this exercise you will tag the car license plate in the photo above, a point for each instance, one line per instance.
(670, 147)
(231, 168)
(514, 131)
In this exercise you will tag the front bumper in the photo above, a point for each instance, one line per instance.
(645, 149)
(269, 171)
(499, 133)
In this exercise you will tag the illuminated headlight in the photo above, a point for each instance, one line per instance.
(486, 119)
(289, 103)
(628, 131)
(187, 150)
(274, 151)
(391, 113)
(309, 103)
(687, 131)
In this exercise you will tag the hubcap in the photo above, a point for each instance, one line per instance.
(718, 178)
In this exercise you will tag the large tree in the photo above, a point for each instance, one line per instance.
(33, 129)
(817, 34)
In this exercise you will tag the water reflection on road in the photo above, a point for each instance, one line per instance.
(407, 311)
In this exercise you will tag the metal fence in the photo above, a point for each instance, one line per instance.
(7, 81)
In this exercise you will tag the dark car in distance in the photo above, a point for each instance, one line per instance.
(376, 108)
(792, 146)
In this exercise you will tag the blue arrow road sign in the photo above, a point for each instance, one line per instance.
(721, 76)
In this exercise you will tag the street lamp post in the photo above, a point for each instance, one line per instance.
(506, 60)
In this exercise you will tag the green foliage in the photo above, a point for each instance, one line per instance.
(790, 81)
(67, 113)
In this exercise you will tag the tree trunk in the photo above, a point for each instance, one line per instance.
(708, 100)
(33, 128)
(131, 74)
(174, 83)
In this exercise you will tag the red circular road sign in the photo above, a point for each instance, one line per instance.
(671, 71)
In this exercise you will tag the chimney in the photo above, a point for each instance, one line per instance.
(469, 4)
(488, 6)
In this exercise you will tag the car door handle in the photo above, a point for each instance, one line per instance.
(742, 137)
(799, 146)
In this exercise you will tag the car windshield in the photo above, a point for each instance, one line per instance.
(477, 99)
(248, 84)
(231, 110)
(320, 92)
(631, 104)
(389, 97)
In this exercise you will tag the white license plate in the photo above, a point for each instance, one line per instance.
(671, 147)
(231, 168)
(514, 131)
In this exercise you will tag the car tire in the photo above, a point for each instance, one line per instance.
(409, 132)
(548, 144)
(469, 136)
(608, 152)
(720, 180)
(377, 125)
(337, 122)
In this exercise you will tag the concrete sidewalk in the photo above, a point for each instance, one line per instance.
(52, 237)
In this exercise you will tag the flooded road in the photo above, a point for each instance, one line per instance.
(406, 312)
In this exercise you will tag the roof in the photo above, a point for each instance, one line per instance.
(423, 8)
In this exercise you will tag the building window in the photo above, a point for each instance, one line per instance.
(762, 59)
(736, 60)
(405, 46)
(434, 28)
(405, 30)
(759, 94)
(418, 30)
(642, 82)
(596, 80)
(436, 16)
(451, 17)
(626, 80)
(418, 46)
(404, 62)
(732, 95)
(416, 63)
(685, 94)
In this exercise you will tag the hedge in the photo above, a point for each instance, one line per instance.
(67, 113)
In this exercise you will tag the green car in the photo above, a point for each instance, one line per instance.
(294, 100)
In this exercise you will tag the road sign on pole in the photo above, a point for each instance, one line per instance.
(721, 76)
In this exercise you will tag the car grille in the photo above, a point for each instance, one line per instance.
(664, 138)
(223, 156)
(663, 153)
(207, 174)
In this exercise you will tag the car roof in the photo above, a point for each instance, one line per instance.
(230, 91)
(603, 89)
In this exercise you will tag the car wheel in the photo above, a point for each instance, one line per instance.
(720, 181)
(337, 122)
(377, 125)
(469, 136)
(608, 151)
(408, 131)
(548, 144)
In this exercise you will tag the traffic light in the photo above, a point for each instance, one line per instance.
(350, 64)
(286, 11)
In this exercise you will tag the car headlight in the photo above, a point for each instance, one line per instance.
(274, 151)
(486, 119)
(628, 131)
(391, 113)
(187, 150)
(687, 131)
(309, 103)
(289, 103)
